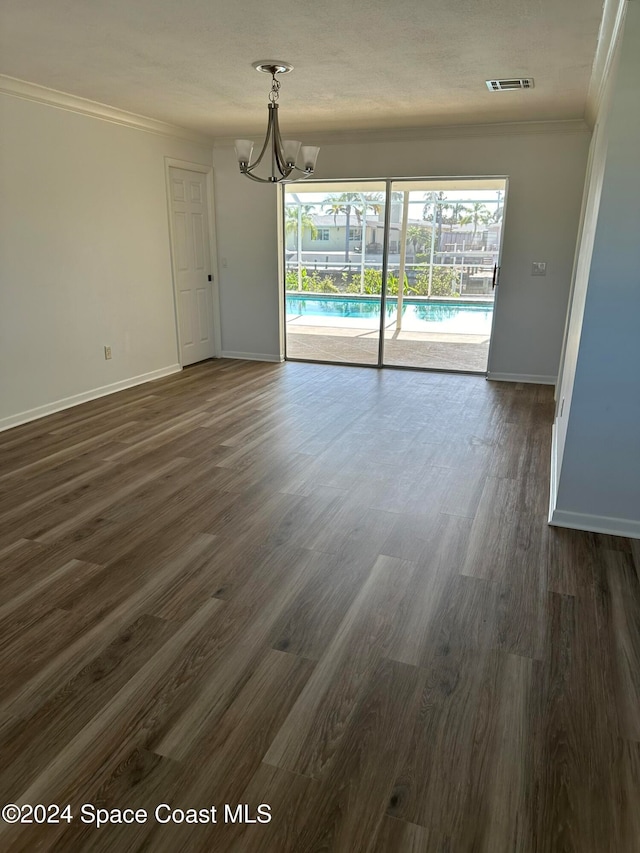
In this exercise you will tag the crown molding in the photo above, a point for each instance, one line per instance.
(608, 38)
(73, 103)
(457, 131)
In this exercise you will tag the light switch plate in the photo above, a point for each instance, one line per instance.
(539, 268)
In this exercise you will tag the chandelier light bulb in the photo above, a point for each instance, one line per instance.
(291, 149)
(309, 157)
(244, 149)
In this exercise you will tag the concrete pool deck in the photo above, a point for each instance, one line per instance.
(409, 349)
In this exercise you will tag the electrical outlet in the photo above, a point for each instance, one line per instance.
(539, 268)
(107, 353)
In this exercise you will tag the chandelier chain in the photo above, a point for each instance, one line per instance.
(274, 94)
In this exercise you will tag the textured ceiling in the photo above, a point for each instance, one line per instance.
(359, 64)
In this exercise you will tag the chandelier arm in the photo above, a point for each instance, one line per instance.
(265, 145)
(248, 174)
(278, 148)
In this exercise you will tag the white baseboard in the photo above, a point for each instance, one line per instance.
(84, 397)
(595, 523)
(523, 377)
(581, 520)
(251, 356)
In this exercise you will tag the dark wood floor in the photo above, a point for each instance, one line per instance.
(329, 590)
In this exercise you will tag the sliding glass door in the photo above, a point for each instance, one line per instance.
(408, 286)
(444, 247)
(333, 254)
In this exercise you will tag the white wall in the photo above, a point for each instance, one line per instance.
(84, 255)
(582, 264)
(246, 235)
(597, 432)
(546, 167)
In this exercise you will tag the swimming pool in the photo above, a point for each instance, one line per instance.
(464, 318)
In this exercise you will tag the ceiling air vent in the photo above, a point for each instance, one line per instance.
(509, 84)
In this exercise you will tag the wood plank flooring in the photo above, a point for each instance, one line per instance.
(326, 589)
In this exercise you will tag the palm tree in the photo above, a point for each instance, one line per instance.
(374, 202)
(437, 201)
(479, 214)
(448, 214)
(498, 213)
(417, 235)
(297, 219)
(351, 203)
(457, 211)
(430, 199)
(456, 215)
(293, 218)
(336, 204)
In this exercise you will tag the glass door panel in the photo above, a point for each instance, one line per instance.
(444, 244)
(333, 252)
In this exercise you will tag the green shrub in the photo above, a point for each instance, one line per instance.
(312, 282)
(445, 282)
(372, 282)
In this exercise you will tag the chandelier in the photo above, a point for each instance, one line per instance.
(284, 154)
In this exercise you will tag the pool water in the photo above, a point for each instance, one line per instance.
(417, 316)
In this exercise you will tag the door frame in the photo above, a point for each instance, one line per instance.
(496, 287)
(207, 171)
(383, 295)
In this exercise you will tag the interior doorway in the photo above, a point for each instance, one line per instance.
(189, 198)
(398, 273)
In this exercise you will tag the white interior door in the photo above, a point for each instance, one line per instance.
(192, 264)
